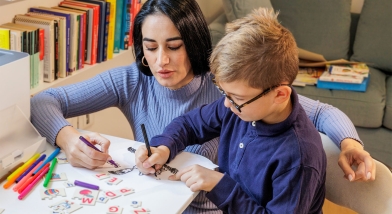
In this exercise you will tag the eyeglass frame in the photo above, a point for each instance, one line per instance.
(238, 107)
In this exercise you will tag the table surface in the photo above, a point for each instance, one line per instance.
(163, 197)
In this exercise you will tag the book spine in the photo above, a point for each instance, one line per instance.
(107, 23)
(126, 23)
(56, 50)
(112, 23)
(118, 26)
(337, 78)
(68, 26)
(5, 39)
(343, 86)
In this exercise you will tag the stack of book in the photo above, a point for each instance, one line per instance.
(64, 38)
(353, 77)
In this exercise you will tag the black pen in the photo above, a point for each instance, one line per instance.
(147, 143)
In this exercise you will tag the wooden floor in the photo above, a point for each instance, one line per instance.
(331, 208)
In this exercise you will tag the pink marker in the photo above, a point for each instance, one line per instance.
(24, 179)
(28, 189)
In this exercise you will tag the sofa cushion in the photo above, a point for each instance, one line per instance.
(235, 9)
(217, 29)
(319, 26)
(388, 107)
(373, 40)
(365, 109)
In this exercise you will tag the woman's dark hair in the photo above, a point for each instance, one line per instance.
(189, 20)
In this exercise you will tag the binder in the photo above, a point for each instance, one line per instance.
(62, 43)
(49, 42)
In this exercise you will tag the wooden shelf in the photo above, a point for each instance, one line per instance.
(125, 57)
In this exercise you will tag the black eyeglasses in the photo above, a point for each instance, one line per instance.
(238, 107)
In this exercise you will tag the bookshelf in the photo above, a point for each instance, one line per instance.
(103, 120)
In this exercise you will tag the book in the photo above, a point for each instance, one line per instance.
(32, 48)
(326, 76)
(308, 76)
(74, 37)
(112, 23)
(16, 38)
(61, 53)
(5, 38)
(81, 35)
(69, 62)
(360, 70)
(48, 71)
(310, 59)
(126, 23)
(103, 27)
(89, 25)
(344, 86)
(118, 26)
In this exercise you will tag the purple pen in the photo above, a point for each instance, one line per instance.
(95, 148)
(86, 185)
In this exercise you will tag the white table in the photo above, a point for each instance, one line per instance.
(159, 196)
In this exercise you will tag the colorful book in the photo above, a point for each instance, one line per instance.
(112, 23)
(326, 76)
(5, 38)
(47, 73)
(102, 41)
(360, 70)
(90, 41)
(61, 52)
(344, 86)
(118, 26)
(126, 23)
(69, 63)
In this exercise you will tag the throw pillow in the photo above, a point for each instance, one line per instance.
(373, 40)
(235, 9)
(322, 27)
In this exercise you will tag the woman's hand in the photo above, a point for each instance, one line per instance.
(78, 153)
(353, 154)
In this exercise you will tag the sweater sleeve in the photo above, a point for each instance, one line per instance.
(329, 120)
(50, 108)
(292, 192)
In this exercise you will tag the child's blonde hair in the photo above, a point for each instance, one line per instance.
(256, 49)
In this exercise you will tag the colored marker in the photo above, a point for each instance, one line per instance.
(31, 179)
(51, 156)
(49, 175)
(19, 171)
(31, 167)
(4, 177)
(24, 167)
(26, 177)
(86, 185)
(96, 149)
(28, 189)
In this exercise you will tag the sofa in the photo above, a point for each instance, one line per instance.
(331, 29)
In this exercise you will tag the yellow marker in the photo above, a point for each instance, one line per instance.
(11, 179)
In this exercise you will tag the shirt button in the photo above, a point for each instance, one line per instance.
(241, 145)
(253, 123)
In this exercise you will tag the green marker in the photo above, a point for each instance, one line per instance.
(49, 175)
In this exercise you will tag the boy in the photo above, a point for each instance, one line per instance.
(270, 156)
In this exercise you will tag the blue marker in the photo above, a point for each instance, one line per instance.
(50, 158)
(31, 167)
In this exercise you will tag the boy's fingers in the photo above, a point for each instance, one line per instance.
(178, 175)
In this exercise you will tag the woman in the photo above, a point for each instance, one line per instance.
(170, 77)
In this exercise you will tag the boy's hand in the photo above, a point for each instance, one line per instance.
(352, 153)
(159, 156)
(198, 178)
